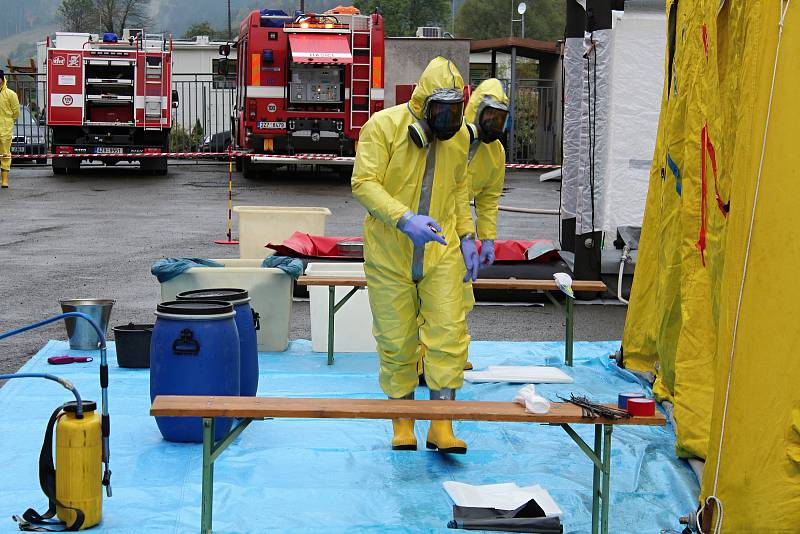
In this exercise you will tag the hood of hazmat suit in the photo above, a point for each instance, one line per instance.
(487, 162)
(9, 111)
(391, 176)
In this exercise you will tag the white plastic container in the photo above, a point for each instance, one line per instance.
(353, 321)
(259, 225)
(270, 294)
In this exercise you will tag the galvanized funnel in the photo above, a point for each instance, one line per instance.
(81, 334)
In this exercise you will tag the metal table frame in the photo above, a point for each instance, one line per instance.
(600, 455)
(569, 312)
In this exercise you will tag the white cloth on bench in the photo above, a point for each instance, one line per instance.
(532, 402)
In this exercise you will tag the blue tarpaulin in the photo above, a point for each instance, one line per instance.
(333, 475)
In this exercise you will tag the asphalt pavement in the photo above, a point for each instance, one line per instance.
(96, 234)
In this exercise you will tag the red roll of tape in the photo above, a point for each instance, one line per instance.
(641, 407)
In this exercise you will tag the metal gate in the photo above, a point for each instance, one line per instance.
(534, 123)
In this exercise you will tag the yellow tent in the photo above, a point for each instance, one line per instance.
(711, 311)
(753, 466)
(670, 328)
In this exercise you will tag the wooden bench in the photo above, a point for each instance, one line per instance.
(542, 286)
(248, 409)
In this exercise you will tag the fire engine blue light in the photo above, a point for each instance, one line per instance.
(110, 37)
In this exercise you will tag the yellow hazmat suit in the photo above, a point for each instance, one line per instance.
(388, 180)
(9, 111)
(486, 172)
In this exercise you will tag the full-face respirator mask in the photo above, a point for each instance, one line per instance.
(443, 116)
(491, 121)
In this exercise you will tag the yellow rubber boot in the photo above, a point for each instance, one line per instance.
(4, 179)
(440, 434)
(404, 438)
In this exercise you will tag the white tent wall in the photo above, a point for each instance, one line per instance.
(636, 79)
(574, 73)
(598, 46)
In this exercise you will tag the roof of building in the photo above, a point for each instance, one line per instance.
(530, 48)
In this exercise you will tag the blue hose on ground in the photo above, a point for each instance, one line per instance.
(63, 381)
(106, 422)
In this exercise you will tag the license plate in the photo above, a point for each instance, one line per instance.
(18, 149)
(108, 150)
(264, 125)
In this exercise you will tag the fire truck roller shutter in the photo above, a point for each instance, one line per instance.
(320, 48)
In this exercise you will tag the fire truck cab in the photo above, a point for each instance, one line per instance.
(109, 99)
(306, 84)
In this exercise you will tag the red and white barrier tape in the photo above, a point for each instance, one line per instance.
(200, 155)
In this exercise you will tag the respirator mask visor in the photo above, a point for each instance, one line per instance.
(444, 112)
(492, 120)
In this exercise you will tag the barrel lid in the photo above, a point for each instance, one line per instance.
(195, 307)
(72, 406)
(225, 294)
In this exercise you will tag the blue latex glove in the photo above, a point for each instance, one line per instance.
(420, 229)
(470, 252)
(487, 253)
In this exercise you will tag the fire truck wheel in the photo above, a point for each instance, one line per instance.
(59, 170)
(154, 166)
(238, 163)
(254, 171)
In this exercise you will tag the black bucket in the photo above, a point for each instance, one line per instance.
(133, 344)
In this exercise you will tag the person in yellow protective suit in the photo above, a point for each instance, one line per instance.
(486, 112)
(9, 111)
(486, 116)
(410, 174)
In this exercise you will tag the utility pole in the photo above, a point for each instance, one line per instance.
(230, 33)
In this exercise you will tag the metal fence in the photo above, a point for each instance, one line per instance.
(202, 118)
(203, 112)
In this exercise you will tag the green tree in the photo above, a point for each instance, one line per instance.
(103, 15)
(205, 28)
(76, 15)
(401, 18)
(487, 19)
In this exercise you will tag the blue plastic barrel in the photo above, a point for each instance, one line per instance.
(246, 322)
(194, 350)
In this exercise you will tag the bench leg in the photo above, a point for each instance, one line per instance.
(208, 476)
(606, 478)
(600, 456)
(598, 451)
(570, 309)
(331, 316)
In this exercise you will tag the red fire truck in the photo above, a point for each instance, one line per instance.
(306, 84)
(109, 99)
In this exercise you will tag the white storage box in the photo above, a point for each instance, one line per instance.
(259, 225)
(270, 294)
(353, 326)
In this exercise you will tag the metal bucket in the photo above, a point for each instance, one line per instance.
(81, 334)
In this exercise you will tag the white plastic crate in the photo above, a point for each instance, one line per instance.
(353, 322)
(259, 225)
(270, 293)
